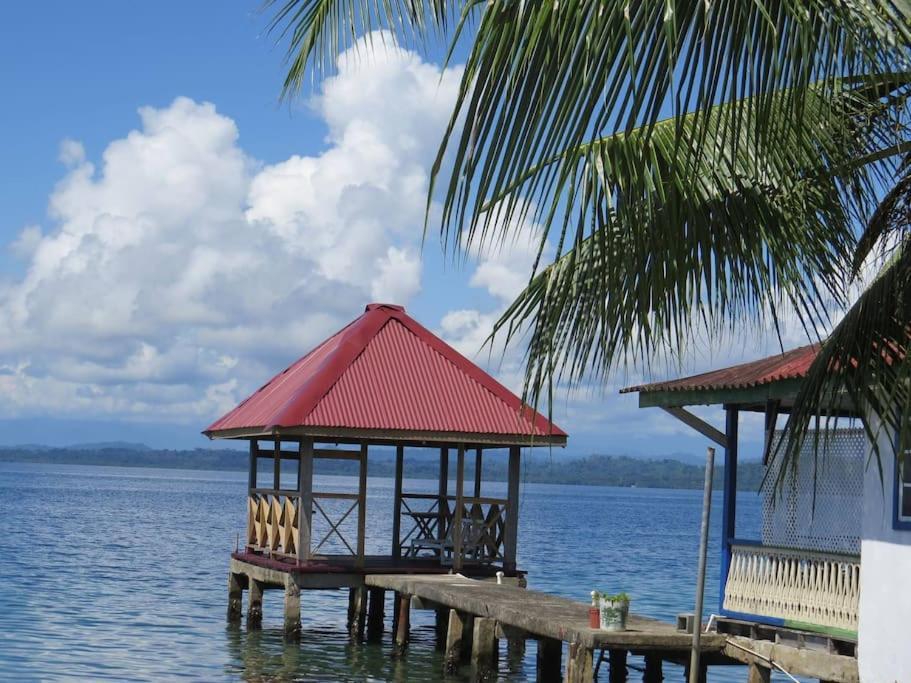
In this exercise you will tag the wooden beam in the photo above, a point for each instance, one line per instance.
(397, 503)
(362, 507)
(277, 465)
(332, 454)
(511, 540)
(443, 496)
(697, 423)
(457, 516)
(305, 500)
(771, 419)
(478, 467)
(785, 390)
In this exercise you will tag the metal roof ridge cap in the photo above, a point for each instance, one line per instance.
(484, 379)
(335, 365)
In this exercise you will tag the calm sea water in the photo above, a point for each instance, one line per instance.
(120, 574)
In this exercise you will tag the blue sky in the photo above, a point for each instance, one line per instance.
(173, 235)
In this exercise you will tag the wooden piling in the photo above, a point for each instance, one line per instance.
(579, 664)
(756, 673)
(292, 609)
(441, 622)
(617, 659)
(254, 604)
(357, 612)
(455, 631)
(376, 614)
(654, 672)
(403, 624)
(550, 654)
(484, 648)
(235, 598)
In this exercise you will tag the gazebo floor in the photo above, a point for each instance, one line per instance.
(373, 564)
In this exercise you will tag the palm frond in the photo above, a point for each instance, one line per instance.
(545, 77)
(662, 241)
(862, 368)
(316, 31)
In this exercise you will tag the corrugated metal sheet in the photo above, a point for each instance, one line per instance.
(386, 372)
(788, 365)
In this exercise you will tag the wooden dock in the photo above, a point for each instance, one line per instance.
(473, 614)
(493, 610)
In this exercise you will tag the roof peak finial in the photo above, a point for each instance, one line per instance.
(394, 307)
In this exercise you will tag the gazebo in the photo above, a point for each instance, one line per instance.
(382, 383)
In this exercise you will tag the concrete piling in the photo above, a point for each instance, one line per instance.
(254, 604)
(484, 648)
(455, 632)
(235, 598)
(292, 609)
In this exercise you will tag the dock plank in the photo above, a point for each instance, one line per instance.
(540, 614)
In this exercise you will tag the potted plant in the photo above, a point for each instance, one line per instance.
(614, 611)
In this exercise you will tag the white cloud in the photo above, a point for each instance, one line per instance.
(72, 153)
(178, 271)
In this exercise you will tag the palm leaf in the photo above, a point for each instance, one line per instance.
(668, 243)
(318, 30)
(862, 367)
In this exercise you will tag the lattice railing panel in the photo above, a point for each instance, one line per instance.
(802, 586)
(272, 523)
(817, 505)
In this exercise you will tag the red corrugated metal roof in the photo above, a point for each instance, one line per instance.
(384, 371)
(791, 364)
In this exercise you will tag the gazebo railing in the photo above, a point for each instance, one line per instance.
(431, 529)
(273, 522)
(804, 588)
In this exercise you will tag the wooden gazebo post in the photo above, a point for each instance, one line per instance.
(512, 511)
(305, 499)
(457, 514)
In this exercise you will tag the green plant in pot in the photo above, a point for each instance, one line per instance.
(614, 611)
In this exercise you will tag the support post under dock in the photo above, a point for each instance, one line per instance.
(580, 664)
(254, 604)
(402, 624)
(484, 647)
(376, 614)
(235, 598)
(617, 660)
(455, 632)
(357, 612)
(292, 609)
(549, 660)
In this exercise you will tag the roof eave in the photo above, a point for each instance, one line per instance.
(742, 397)
(390, 436)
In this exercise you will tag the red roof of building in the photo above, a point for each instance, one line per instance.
(384, 371)
(788, 365)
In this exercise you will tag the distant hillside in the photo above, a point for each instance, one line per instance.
(599, 470)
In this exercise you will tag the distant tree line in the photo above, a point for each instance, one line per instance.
(599, 470)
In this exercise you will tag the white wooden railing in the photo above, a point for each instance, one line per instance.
(272, 523)
(796, 585)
